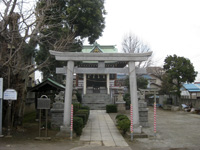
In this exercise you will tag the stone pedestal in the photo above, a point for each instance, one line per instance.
(143, 113)
(57, 115)
(121, 108)
(57, 120)
(137, 129)
(64, 131)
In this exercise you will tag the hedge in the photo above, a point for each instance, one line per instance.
(76, 107)
(111, 108)
(83, 111)
(81, 115)
(85, 107)
(78, 125)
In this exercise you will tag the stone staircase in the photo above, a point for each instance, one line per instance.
(96, 101)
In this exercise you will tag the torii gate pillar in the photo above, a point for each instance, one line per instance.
(68, 98)
(134, 98)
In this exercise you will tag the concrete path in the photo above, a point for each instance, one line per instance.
(101, 131)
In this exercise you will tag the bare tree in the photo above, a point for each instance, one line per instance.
(156, 71)
(20, 32)
(25, 24)
(16, 29)
(132, 44)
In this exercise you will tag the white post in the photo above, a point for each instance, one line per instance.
(68, 94)
(133, 94)
(84, 84)
(108, 83)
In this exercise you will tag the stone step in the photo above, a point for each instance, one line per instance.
(96, 106)
(96, 97)
(96, 101)
(96, 94)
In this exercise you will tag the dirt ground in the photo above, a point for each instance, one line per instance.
(175, 131)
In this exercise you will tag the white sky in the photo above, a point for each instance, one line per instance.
(168, 26)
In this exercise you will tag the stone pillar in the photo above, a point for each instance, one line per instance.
(68, 97)
(134, 98)
(108, 83)
(84, 84)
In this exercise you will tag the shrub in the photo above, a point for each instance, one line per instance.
(85, 107)
(127, 100)
(83, 116)
(79, 97)
(76, 107)
(78, 125)
(121, 117)
(83, 111)
(118, 116)
(124, 125)
(111, 108)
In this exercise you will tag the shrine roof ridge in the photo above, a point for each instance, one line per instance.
(79, 56)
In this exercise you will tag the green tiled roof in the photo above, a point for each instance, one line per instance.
(56, 83)
(47, 85)
(102, 48)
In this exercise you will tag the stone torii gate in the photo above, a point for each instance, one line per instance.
(69, 70)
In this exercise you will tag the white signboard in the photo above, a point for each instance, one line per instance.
(1, 88)
(10, 94)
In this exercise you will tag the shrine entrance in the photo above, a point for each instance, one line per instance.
(69, 70)
(96, 81)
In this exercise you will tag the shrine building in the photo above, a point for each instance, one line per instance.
(98, 89)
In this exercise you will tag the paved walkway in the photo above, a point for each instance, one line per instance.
(101, 131)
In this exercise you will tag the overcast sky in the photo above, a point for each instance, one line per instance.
(168, 26)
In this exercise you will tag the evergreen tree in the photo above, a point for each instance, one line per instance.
(66, 24)
(179, 70)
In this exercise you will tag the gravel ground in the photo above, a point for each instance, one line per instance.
(176, 130)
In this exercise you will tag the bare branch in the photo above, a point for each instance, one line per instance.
(13, 7)
(45, 63)
(132, 44)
